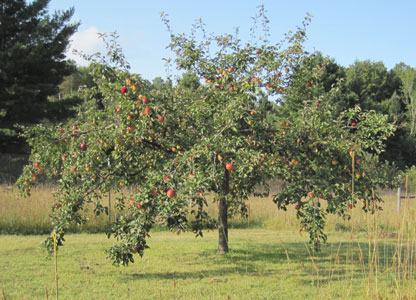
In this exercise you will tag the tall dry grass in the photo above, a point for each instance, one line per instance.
(31, 215)
(19, 215)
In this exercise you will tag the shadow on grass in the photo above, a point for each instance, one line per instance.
(335, 262)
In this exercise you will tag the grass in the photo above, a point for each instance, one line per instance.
(367, 257)
(262, 264)
(31, 215)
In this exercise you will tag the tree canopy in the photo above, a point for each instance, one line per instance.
(167, 148)
(32, 63)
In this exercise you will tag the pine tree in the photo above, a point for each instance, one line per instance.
(32, 63)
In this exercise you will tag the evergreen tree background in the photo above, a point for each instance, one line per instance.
(32, 65)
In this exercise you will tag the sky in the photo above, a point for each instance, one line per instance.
(378, 30)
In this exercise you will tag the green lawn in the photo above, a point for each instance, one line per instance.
(262, 264)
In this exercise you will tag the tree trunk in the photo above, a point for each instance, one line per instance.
(223, 215)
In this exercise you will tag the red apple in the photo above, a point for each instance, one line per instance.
(145, 100)
(83, 146)
(230, 70)
(268, 85)
(166, 178)
(161, 119)
(57, 206)
(229, 166)
(146, 111)
(252, 112)
(170, 193)
(309, 84)
(202, 193)
(74, 169)
(310, 195)
(155, 192)
(191, 175)
(258, 51)
(254, 79)
(287, 124)
(353, 124)
(138, 206)
(37, 165)
(61, 130)
(123, 89)
(118, 109)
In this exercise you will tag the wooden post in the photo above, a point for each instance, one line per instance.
(223, 214)
(406, 195)
(56, 264)
(109, 206)
(109, 195)
(399, 198)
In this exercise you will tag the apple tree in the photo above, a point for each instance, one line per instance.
(164, 150)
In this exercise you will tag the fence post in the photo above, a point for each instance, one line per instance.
(109, 196)
(399, 198)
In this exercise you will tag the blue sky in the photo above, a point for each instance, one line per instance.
(344, 30)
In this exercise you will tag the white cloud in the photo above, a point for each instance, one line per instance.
(86, 41)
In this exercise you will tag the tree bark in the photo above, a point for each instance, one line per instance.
(223, 215)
